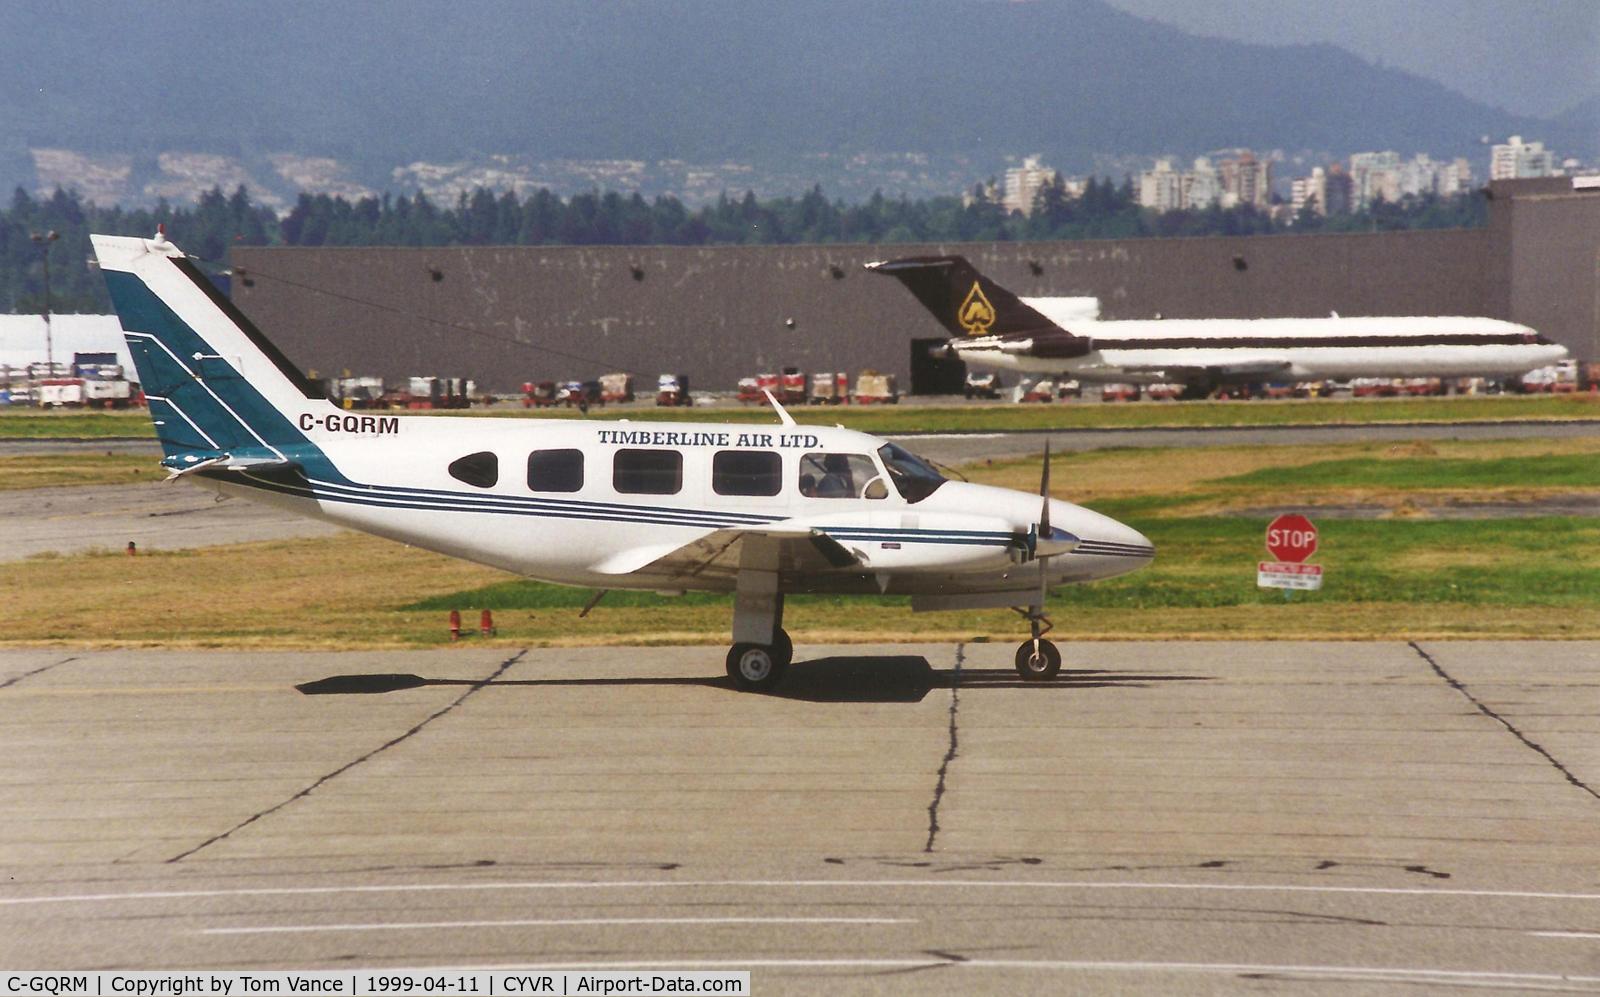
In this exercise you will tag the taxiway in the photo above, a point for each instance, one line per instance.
(903, 819)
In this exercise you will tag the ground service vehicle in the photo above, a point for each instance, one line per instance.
(673, 390)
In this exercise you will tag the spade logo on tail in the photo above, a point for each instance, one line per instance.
(976, 314)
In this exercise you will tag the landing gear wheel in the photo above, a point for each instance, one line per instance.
(1041, 666)
(757, 667)
(782, 647)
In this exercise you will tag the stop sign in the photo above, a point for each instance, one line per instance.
(1291, 538)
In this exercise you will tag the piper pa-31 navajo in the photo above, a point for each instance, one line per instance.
(759, 511)
(991, 327)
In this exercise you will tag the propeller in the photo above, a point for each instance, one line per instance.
(1045, 540)
(1044, 531)
(1042, 540)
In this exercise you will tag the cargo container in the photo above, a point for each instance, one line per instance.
(61, 392)
(616, 387)
(830, 389)
(874, 388)
(1042, 390)
(538, 394)
(793, 387)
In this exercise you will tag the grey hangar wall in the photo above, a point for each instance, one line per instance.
(504, 315)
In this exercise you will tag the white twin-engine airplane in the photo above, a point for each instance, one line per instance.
(759, 511)
(991, 327)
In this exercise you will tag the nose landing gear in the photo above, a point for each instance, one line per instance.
(1038, 660)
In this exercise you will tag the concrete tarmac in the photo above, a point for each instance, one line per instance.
(153, 515)
(1198, 818)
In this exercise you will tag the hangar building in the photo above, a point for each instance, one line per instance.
(505, 315)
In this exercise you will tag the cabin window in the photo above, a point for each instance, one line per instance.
(647, 472)
(555, 470)
(480, 470)
(746, 472)
(839, 475)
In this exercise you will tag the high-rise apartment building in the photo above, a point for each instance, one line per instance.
(1515, 160)
(1023, 184)
(1161, 188)
(1246, 180)
(1375, 176)
(1239, 180)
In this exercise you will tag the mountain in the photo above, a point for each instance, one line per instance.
(382, 83)
(1577, 128)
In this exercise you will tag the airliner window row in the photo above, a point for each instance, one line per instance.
(733, 472)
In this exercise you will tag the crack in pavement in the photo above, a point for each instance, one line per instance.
(1508, 725)
(950, 753)
(8, 683)
(350, 765)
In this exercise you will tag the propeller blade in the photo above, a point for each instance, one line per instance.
(1044, 493)
(1044, 582)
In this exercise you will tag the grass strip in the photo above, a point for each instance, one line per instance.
(997, 417)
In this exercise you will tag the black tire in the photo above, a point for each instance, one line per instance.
(1041, 668)
(782, 647)
(755, 667)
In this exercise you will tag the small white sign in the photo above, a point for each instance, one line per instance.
(1283, 575)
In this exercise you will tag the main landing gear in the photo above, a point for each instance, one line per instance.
(1038, 660)
(760, 667)
(761, 649)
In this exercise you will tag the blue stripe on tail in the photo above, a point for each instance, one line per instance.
(198, 399)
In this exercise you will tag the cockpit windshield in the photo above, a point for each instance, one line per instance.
(911, 475)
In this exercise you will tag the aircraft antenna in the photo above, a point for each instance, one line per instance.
(783, 413)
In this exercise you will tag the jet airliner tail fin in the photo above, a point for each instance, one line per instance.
(964, 301)
(213, 382)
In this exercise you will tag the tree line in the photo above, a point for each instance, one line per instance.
(218, 221)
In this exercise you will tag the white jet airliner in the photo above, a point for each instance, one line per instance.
(759, 511)
(991, 327)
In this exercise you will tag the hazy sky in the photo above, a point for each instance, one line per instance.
(1528, 56)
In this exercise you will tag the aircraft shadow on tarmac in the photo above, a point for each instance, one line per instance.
(866, 679)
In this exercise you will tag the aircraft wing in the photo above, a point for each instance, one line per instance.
(1243, 370)
(723, 552)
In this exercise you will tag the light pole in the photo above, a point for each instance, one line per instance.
(44, 240)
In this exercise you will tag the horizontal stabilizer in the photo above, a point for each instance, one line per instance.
(184, 464)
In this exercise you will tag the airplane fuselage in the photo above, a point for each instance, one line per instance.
(598, 524)
(1287, 349)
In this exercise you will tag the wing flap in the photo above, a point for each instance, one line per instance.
(720, 553)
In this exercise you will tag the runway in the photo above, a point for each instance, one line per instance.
(899, 819)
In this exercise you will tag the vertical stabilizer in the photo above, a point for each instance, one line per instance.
(212, 380)
(964, 301)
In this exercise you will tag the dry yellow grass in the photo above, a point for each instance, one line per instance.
(57, 470)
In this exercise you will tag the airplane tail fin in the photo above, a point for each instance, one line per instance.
(212, 380)
(965, 301)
